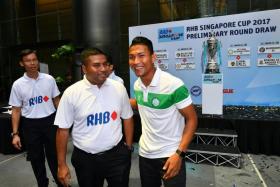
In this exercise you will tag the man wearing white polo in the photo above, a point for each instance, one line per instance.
(168, 119)
(33, 98)
(94, 107)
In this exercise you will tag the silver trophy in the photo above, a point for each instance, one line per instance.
(212, 57)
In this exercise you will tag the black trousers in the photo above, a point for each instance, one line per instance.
(40, 141)
(151, 173)
(112, 165)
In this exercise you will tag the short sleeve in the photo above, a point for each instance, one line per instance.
(182, 97)
(55, 90)
(15, 98)
(126, 110)
(65, 113)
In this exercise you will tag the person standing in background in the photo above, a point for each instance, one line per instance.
(34, 98)
(111, 72)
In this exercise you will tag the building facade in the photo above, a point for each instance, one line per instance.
(45, 25)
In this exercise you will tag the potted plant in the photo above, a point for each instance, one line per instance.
(65, 52)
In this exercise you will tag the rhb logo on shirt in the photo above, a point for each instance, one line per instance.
(101, 118)
(37, 100)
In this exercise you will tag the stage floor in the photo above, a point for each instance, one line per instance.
(256, 170)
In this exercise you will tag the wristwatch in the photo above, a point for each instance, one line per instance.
(14, 133)
(131, 148)
(182, 154)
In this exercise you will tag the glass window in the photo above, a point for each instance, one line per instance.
(47, 27)
(220, 7)
(25, 8)
(154, 11)
(165, 10)
(65, 20)
(206, 8)
(65, 4)
(149, 11)
(128, 14)
(123, 68)
(6, 10)
(46, 6)
(27, 30)
(6, 74)
(8, 33)
(124, 48)
(259, 5)
(242, 6)
(183, 9)
(273, 4)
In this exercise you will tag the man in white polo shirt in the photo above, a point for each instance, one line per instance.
(33, 98)
(167, 116)
(94, 108)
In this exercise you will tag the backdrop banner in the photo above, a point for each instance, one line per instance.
(248, 54)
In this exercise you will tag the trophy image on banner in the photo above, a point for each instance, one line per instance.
(211, 55)
(212, 78)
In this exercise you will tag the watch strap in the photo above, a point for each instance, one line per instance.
(14, 133)
(182, 154)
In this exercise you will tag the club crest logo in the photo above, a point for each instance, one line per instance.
(155, 101)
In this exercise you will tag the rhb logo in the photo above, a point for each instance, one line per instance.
(38, 100)
(101, 118)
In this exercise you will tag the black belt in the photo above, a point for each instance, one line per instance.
(113, 149)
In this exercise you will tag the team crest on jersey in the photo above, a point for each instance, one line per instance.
(155, 102)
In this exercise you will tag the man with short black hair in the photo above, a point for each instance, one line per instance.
(94, 107)
(34, 98)
(167, 116)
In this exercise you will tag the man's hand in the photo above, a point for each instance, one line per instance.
(16, 142)
(63, 175)
(172, 166)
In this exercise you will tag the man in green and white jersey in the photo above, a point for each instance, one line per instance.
(167, 116)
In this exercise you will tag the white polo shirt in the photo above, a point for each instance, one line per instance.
(162, 123)
(34, 96)
(95, 114)
(115, 77)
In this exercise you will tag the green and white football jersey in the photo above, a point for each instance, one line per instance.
(162, 123)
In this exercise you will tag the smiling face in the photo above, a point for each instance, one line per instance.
(30, 63)
(95, 68)
(141, 61)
